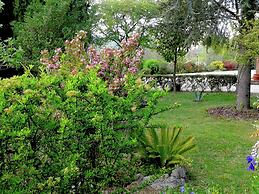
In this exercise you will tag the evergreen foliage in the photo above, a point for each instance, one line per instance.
(47, 25)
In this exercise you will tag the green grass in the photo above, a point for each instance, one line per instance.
(222, 144)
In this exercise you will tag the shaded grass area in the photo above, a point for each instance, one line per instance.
(222, 144)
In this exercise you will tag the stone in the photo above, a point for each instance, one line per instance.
(175, 179)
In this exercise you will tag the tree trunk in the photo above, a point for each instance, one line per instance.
(174, 73)
(243, 87)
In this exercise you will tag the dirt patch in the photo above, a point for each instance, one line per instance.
(232, 112)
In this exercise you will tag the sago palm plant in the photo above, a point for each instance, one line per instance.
(164, 146)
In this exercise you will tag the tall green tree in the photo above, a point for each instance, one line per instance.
(219, 17)
(47, 25)
(180, 25)
(19, 8)
(241, 14)
(119, 19)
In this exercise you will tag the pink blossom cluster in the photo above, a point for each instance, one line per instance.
(53, 62)
(113, 64)
(75, 48)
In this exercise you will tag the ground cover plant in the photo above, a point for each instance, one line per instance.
(219, 160)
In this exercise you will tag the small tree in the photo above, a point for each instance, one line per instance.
(180, 26)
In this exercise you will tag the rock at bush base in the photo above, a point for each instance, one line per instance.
(175, 179)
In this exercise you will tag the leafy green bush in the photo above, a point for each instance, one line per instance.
(165, 68)
(163, 146)
(146, 71)
(151, 64)
(189, 67)
(10, 55)
(156, 67)
(72, 128)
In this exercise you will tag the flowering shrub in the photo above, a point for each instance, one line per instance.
(229, 65)
(190, 67)
(253, 159)
(114, 64)
(216, 65)
(73, 128)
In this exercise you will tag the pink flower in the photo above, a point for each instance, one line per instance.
(133, 70)
(113, 64)
(58, 50)
(74, 71)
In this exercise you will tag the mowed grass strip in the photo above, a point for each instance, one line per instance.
(222, 143)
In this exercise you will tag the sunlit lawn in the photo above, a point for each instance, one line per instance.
(222, 144)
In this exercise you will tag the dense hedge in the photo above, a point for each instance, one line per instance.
(154, 66)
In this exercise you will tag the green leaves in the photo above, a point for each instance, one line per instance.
(182, 24)
(47, 25)
(119, 20)
(59, 130)
(249, 43)
(164, 146)
(11, 55)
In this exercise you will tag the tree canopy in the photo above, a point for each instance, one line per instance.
(118, 20)
(240, 14)
(181, 25)
(47, 25)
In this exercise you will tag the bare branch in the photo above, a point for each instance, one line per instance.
(235, 15)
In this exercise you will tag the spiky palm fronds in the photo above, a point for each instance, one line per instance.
(164, 145)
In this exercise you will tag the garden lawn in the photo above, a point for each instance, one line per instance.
(222, 144)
